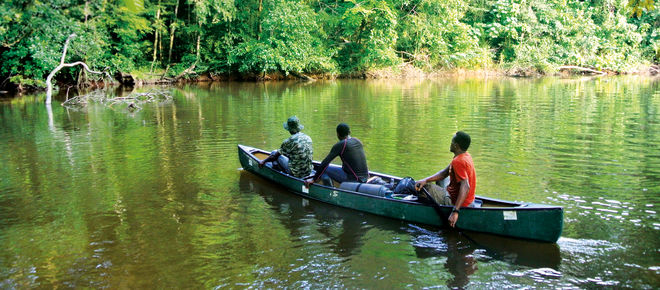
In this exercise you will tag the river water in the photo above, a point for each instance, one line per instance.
(102, 197)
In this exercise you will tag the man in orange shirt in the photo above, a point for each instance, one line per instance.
(462, 178)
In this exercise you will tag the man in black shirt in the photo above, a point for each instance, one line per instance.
(354, 162)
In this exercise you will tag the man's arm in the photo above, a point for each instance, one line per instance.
(462, 195)
(334, 152)
(440, 175)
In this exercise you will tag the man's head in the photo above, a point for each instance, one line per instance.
(293, 125)
(343, 130)
(461, 141)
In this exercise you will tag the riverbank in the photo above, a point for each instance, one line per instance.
(407, 71)
(404, 71)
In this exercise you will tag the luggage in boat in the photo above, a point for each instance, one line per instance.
(406, 186)
(371, 189)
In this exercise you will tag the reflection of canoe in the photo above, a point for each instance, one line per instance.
(521, 252)
(343, 227)
(293, 209)
(520, 220)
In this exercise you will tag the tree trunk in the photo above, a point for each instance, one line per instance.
(173, 25)
(86, 11)
(199, 40)
(155, 39)
(259, 19)
(172, 29)
(160, 48)
(301, 76)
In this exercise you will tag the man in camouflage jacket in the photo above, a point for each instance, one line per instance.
(295, 155)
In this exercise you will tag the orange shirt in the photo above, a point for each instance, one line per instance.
(460, 169)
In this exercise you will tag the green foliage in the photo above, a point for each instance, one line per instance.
(648, 22)
(35, 34)
(432, 34)
(290, 41)
(638, 7)
(369, 26)
(325, 36)
(557, 32)
(21, 81)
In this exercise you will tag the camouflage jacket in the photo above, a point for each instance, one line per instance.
(298, 148)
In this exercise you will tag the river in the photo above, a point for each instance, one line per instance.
(106, 198)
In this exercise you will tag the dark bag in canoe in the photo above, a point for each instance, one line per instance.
(406, 186)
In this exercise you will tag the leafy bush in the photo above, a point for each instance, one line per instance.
(325, 36)
(290, 41)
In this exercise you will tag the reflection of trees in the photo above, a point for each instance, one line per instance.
(141, 193)
(93, 202)
(343, 228)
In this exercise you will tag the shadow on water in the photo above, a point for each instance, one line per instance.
(519, 252)
(462, 250)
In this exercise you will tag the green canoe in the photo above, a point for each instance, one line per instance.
(513, 219)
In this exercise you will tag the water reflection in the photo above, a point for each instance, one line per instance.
(107, 198)
(344, 231)
(342, 228)
(520, 252)
(460, 262)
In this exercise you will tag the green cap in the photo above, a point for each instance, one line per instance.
(293, 124)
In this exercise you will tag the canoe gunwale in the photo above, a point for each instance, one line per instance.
(524, 206)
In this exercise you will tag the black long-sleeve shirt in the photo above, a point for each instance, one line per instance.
(354, 161)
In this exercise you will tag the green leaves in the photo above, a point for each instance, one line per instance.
(133, 6)
(290, 41)
(327, 36)
(637, 7)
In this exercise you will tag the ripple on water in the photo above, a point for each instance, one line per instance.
(606, 209)
(586, 247)
(427, 239)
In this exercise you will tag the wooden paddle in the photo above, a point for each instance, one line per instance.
(436, 205)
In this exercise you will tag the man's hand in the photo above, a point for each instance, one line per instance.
(308, 182)
(420, 184)
(453, 218)
(261, 163)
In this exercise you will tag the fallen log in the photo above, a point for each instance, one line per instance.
(654, 69)
(189, 70)
(586, 69)
(301, 76)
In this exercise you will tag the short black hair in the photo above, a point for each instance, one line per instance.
(463, 140)
(343, 130)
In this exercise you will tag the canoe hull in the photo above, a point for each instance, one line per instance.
(527, 221)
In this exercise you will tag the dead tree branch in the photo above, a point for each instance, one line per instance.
(301, 76)
(190, 70)
(131, 102)
(581, 69)
(49, 85)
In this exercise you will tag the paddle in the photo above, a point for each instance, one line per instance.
(436, 205)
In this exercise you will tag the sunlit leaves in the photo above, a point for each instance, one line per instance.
(637, 7)
(369, 26)
(327, 36)
(290, 41)
(133, 6)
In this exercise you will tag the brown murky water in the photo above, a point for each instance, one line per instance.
(155, 199)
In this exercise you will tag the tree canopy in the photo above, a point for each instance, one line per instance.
(255, 37)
